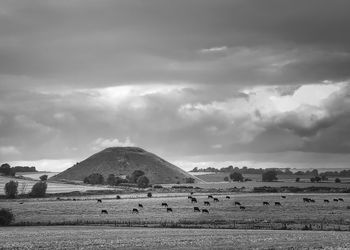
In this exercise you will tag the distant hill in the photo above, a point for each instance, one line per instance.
(124, 161)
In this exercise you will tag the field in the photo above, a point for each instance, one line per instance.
(103, 237)
(293, 214)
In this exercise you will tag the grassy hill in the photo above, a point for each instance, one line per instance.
(124, 161)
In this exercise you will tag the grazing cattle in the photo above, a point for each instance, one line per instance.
(326, 201)
(164, 204)
(99, 201)
(336, 200)
(169, 209)
(194, 200)
(140, 205)
(216, 200)
(206, 203)
(205, 211)
(265, 203)
(306, 199)
(189, 197)
(237, 203)
(242, 207)
(103, 211)
(135, 211)
(228, 197)
(277, 203)
(196, 209)
(210, 196)
(340, 199)
(283, 196)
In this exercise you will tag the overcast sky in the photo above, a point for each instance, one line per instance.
(198, 82)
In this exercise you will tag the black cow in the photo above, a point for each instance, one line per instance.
(189, 197)
(266, 203)
(336, 200)
(278, 203)
(140, 205)
(196, 209)
(135, 211)
(306, 199)
(228, 197)
(164, 204)
(194, 200)
(242, 207)
(312, 200)
(169, 209)
(237, 203)
(206, 203)
(205, 211)
(283, 196)
(326, 201)
(103, 211)
(340, 199)
(210, 196)
(99, 201)
(216, 200)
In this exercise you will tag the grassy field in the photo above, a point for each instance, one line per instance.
(97, 237)
(293, 212)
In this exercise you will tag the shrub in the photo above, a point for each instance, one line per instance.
(236, 176)
(43, 177)
(11, 189)
(94, 179)
(337, 180)
(149, 195)
(270, 175)
(226, 178)
(39, 189)
(6, 217)
(142, 182)
(118, 197)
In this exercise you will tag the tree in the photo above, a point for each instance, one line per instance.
(6, 217)
(5, 169)
(142, 182)
(11, 189)
(43, 177)
(111, 180)
(317, 178)
(337, 180)
(236, 176)
(135, 175)
(270, 175)
(226, 178)
(39, 189)
(149, 195)
(312, 179)
(189, 180)
(94, 179)
(323, 177)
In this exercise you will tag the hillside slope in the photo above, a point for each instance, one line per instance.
(124, 161)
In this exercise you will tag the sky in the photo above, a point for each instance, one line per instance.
(200, 83)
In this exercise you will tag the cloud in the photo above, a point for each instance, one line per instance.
(101, 143)
(9, 150)
(214, 49)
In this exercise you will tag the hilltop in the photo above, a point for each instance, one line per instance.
(124, 161)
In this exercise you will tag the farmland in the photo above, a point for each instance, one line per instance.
(294, 213)
(103, 237)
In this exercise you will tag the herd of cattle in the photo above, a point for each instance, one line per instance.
(192, 199)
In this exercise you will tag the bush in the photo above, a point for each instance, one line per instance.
(39, 189)
(142, 182)
(226, 178)
(337, 180)
(236, 176)
(6, 217)
(149, 195)
(118, 197)
(269, 176)
(157, 186)
(11, 189)
(43, 177)
(94, 179)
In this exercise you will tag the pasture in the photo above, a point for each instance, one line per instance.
(293, 212)
(103, 237)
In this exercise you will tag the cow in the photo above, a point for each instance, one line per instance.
(237, 203)
(194, 200)
(306, 199)
(242, 207)
(336, 200)
(326, 201)
(266, 203)
(312, 200)
(283, 196)
(169, 209)
(196, 209)
(228, 197)
(216, 200)
(103, 211)
(164, 204)
(210, 196)
(278, 203)
(140, 205)
(99, 201)
(135, 211)
(341, 199)
(206, 203)
(189, 197)
(205, 211)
